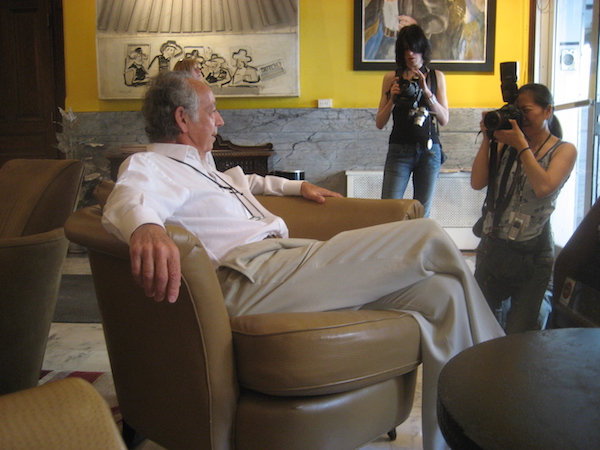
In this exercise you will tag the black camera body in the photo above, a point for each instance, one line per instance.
(410, 93)
(409, 98)
(499, 119)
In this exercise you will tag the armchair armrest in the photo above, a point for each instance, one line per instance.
(30, 278)
(307, 219)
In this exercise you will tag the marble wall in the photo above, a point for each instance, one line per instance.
(322, 142)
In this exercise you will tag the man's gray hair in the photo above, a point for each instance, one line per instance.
(167, 92)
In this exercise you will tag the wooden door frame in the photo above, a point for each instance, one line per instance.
(58, 48)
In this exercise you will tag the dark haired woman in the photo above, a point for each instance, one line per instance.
(414, 144)
(516, 252)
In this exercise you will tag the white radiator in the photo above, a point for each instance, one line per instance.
(456, 206)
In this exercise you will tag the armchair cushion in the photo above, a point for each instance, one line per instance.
(288, 354)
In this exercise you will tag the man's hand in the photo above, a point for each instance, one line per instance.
(316, 193)
(155, 263)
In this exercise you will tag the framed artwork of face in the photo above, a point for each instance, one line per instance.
(461, 33)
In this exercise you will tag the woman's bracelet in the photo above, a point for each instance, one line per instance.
(432, 100)
(521, 152)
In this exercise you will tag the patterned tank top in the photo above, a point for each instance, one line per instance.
(524, 201)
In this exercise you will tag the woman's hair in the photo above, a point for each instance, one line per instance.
(167, 92)
(186, 65)
(412, 38)
(543, 97)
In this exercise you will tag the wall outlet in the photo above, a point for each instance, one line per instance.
(325, 103)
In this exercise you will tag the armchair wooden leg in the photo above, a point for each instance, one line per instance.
(392, 434)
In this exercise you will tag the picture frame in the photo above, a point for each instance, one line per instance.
(465, 45)
(242, 49)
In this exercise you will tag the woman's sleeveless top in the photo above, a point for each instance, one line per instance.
(524, 201)
(404, 131)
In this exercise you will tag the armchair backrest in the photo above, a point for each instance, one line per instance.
(37, 195)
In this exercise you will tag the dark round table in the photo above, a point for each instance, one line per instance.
(535, 390)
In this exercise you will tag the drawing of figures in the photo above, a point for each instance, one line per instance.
(135, 73)
(215, 71)
(195, 54)
(384, 18)
(243, 72)
(168, 50)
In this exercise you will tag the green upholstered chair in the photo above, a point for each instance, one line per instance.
(36, 197)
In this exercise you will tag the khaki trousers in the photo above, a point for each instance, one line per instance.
(412, 266)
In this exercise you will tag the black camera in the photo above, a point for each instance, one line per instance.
(409, 97)
(499, 119)
(410, 93)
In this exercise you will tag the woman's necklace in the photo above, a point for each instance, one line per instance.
(539, 149)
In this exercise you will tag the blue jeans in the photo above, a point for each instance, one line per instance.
(424, 164)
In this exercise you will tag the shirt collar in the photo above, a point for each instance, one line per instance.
(182, 152)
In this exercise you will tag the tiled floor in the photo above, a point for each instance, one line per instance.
(77, 346)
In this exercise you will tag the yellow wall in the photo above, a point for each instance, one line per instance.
(326, 53)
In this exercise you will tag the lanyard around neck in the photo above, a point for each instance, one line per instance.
(228, 187)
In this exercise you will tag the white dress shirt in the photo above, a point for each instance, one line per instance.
(159, 187)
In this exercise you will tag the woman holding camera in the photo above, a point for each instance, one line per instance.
(529, 165)
(415, 97)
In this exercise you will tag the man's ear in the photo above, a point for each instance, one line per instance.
(181, 117)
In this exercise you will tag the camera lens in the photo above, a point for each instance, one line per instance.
(408, 89)
(420, 116)
(492, 120)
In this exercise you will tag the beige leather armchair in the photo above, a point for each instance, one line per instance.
(189, 377)
(36, 197)
(68, 415)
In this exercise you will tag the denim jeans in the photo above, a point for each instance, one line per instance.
(515, 271)
(424, 164)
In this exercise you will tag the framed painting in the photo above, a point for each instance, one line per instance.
(244, 49)
(461, 32)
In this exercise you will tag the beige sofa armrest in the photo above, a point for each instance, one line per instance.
(307, 219)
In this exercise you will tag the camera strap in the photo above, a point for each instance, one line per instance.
(432, 84)
(496, 203)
